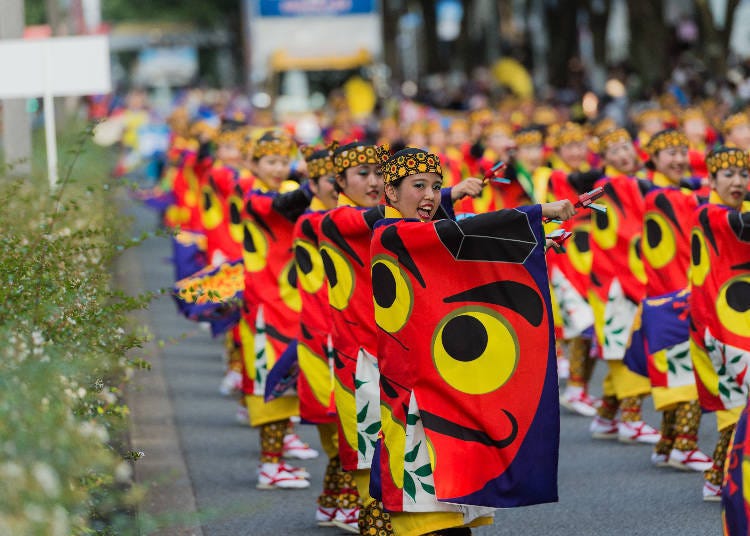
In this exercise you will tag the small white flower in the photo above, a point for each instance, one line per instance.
(60, 521)
(47, 478)
(123, 472)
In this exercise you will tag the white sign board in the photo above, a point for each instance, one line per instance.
(54, 67)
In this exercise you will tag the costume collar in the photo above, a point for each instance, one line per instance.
(345, 201)
(317, 205)
(393, 213)
(661, 180)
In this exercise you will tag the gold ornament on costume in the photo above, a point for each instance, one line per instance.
(734, 121)
(528, 138)
(665, 139)
(726, 158)
(353, 154)
(272, 142)
(458, 125)
(612, 137)
(232, 136)
(319, 161)
(409, 161)
(203, 130)
(648, 115)
(569, 132)
(497, 127)
(691, 114)
(544, 115)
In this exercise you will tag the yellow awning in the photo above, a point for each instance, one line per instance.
(282, 61)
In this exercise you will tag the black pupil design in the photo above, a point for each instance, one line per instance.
(383, 285)
(304, 261)
(581, 239)
(207, 200)
(234, 213)
(695, 249)
(653, 233)
(464, 338)
(291, 277)
(602, 220)
(329, 268)
(247, 241)
(637, 247)
(738, 296)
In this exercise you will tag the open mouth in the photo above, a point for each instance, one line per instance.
(424, 213)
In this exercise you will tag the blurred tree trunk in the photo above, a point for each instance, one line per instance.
(648, 41)
(429, 27)
(598, 21)
(391, 16)
(714, 40)
(562, 32)
(466, 44)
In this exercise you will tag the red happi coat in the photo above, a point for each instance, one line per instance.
(315, 382)
(270, 282)
(469, 399)
(666, 257)
(344, 243)
(666, 239)
(720, 305)
(617, 274)
(222, 192)
(575, 264)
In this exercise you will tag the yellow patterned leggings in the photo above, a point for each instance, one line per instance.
(581, 364)
(679, 428)
(715, 475)
(272, 440)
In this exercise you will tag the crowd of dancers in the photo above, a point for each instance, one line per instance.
(413, 290)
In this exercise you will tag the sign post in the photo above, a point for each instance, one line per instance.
(54, 67)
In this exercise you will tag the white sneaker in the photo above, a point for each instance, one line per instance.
(301, 472)
(659, 460)
(563, 368)
(231, 383)
(602, 428)
(346, 519)
(576, 400)
(324, 516)
(711, 492)
(294, 447)
(690, 460)
(637, 432)
(273, 476)
(242, 416)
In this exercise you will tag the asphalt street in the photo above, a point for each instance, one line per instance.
(606, 488)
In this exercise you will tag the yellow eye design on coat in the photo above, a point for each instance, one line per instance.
(604, 230)
(340, 276)
(635, 259)
(392, 293)
(235, 218)
(288, 287)
(699, 262)
(254, 247)
(733, 305)
(475, 349)
(310, 271)
(212, 214)
(579, 250)
(659, 244)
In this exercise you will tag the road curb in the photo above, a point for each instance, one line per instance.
(170, 502)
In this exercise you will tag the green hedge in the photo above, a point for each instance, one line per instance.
(64, 351)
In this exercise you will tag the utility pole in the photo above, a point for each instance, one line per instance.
(16, 123)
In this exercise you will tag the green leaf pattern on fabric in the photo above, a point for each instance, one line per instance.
(730, 364)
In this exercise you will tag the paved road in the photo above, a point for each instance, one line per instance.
(606, 488)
